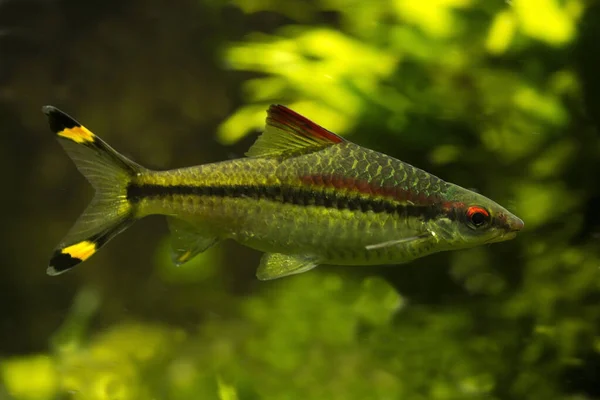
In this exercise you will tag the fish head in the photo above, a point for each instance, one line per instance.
(470, 219)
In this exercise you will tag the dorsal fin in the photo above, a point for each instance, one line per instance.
(286, 130)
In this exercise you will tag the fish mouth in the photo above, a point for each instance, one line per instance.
(508, 235)
(516, 224)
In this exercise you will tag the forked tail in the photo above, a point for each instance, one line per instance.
(109, 172)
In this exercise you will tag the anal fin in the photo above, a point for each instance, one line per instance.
(276, 265)
(188, 240)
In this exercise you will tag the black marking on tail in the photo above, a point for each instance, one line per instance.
(61, 262)
(109, 172)
(288, 195)
(58, 120)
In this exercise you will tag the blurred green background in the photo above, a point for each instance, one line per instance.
(499, 96)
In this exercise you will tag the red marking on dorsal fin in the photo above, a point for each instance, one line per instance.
(290, 121)
(288, 132)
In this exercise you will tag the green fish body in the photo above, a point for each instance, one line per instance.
(304, 196)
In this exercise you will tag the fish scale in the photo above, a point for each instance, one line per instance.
(303, 195)
(339, 235)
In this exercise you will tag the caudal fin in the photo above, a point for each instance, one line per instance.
(109, 172)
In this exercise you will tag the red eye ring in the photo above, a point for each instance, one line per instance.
(476, 209)
(477, 216)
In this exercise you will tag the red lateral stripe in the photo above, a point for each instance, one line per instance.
(364, 187)
(279, 115)
(451, 205)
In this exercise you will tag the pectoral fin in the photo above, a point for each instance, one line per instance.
(396, 242)
(188, 240)
(275, 265)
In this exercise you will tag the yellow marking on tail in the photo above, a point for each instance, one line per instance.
(82, 250)
(185, 256)
(78, 134)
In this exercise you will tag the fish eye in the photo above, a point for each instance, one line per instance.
(477, 216)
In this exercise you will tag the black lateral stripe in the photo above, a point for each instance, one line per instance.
(289, 195)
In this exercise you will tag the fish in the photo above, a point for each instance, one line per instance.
(302, 195)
